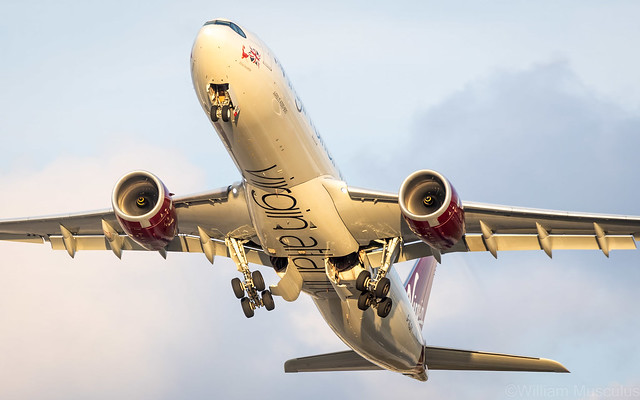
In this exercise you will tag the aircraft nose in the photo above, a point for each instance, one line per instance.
(211, 58)
(208, 38)
(211, 55)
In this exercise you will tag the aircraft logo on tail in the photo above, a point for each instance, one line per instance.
(418, 286)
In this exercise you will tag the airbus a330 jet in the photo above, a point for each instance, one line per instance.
(294, 213)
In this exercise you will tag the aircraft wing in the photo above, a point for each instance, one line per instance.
(218, 213)
(369, 215)
(494, 228)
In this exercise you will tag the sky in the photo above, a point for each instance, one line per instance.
(533, 104)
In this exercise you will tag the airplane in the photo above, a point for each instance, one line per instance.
(293, 212)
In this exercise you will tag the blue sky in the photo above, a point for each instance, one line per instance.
(526, 103)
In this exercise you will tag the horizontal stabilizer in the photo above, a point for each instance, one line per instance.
(437, 358)
(341, 361)
(452, 359)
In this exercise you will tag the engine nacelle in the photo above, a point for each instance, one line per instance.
(144, 209)
(432, 208)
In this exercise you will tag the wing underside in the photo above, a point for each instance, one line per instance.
(219, 213)
(495, 228)
(370, 216)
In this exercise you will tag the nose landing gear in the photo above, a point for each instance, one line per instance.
(222, 106)
(252, 292)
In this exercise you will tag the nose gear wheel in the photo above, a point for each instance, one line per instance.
(221, 105)
(214, 113)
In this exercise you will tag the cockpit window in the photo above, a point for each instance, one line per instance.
(230, 24)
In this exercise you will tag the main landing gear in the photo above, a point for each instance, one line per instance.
(252, 291)
(374, 290)
(221, 105)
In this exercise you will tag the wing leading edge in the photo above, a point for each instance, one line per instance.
(495, 228)
(214, 214)
(369, 215)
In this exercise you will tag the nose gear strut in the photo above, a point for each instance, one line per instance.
(252, 291)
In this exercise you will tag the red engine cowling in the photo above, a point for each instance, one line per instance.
(432, 208)
(144, 209)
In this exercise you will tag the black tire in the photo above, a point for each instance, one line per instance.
(267, 300)
(238, 288)
(226, 115)
(258, 281)
(214, 113)
(382, 288)
(246, 307)
(363, 280)
(384, 307)
(364, 301)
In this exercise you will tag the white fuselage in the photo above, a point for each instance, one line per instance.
(288, 174)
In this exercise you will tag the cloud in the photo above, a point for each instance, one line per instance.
(75, 183)
(93, 326)
(537, 135)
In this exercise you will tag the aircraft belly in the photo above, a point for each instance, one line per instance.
(299, 222)
(282, 160)
(270, 129)
(394, 342)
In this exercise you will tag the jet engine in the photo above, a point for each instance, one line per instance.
(144, 209)
(432, 208)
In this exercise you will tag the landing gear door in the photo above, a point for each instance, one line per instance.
(233, 97)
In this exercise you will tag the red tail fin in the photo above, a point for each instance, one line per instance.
(418, 285)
